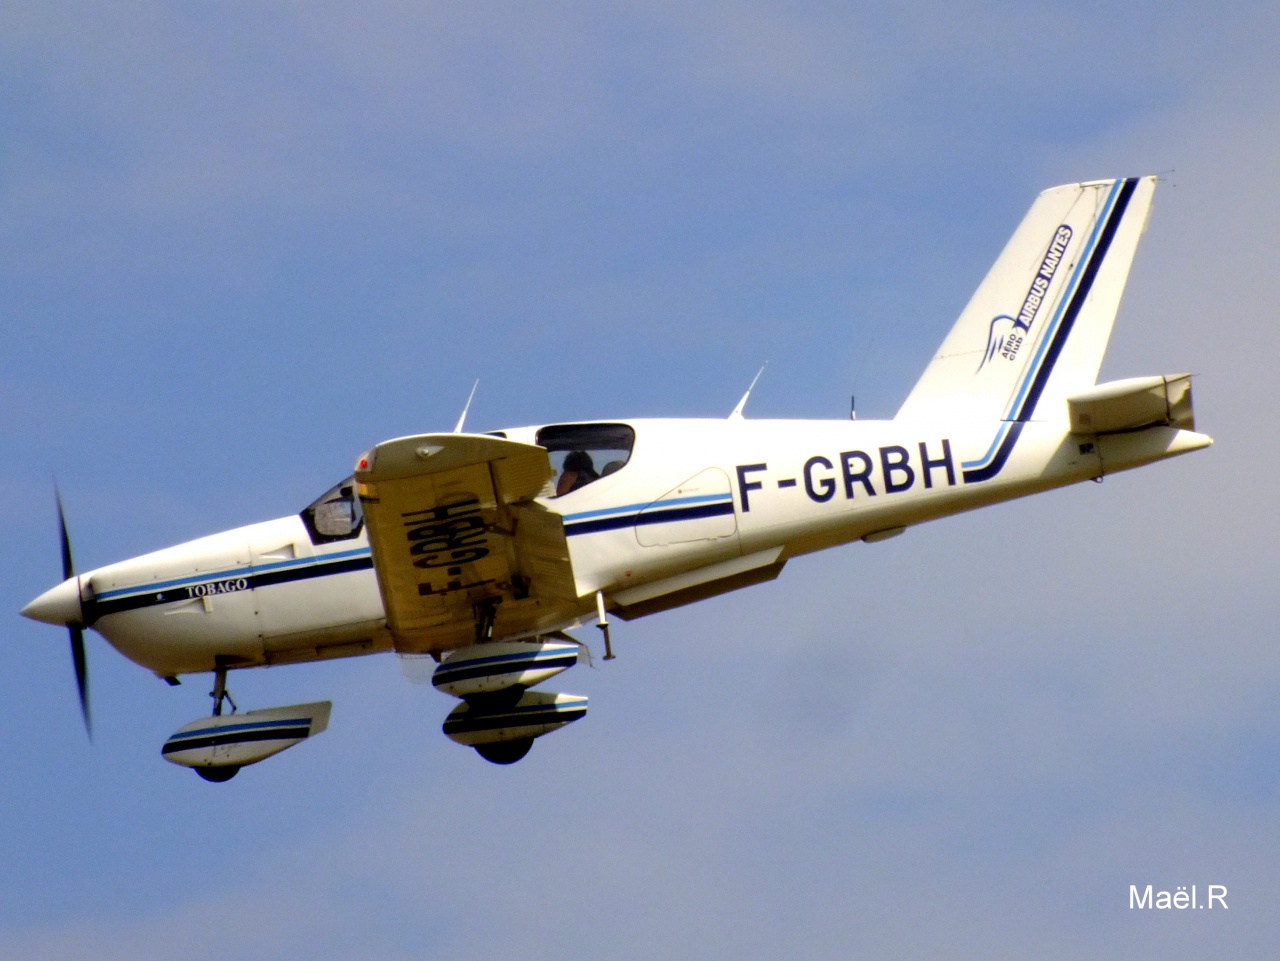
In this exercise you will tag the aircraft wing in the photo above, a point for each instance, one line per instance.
(454, 531)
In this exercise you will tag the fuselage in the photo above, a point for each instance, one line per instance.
(689, 503)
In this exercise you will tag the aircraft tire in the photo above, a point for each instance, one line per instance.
(505, 752)
(217, 775)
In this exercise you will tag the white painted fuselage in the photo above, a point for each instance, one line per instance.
(699, 504)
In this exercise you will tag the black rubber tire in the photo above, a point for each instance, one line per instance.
(218, 774)
(505, 752)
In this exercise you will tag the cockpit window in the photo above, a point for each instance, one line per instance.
(335, 515)
(582, 453)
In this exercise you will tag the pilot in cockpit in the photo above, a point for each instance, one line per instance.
(578, 472)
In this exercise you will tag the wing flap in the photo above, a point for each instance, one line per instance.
(543, 552)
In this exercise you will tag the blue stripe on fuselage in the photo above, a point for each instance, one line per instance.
(636, 508)
(234, 572)
(264, 575)
(653, 514)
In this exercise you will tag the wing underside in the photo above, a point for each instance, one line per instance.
(459, 545)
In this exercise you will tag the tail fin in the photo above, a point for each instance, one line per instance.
(1036, 329)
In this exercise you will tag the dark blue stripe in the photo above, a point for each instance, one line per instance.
(174, 744)
(1077, 301)
(1060, 337)
(469, 723)
(234, 572)
(306, 573)
(997, 462)
(247, 726)
(94, 609)
(649, 517)
(466, 672)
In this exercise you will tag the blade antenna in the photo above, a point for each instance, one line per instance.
(737, 411)
(853, 398)
(466, 407)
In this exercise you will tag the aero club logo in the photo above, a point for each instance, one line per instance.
(1007, 332)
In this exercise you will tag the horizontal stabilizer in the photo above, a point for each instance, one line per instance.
(1132, 404)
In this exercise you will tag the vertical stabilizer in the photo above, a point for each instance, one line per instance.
(1037, 327)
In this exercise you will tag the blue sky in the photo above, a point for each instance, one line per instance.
(243, 243)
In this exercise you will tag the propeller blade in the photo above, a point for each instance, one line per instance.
(68, 566)
(76, 630)
(82, 675)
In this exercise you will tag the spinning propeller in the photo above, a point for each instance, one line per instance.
(75, 625)
(63, 605)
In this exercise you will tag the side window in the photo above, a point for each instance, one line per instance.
(583, 453)
(334, 515)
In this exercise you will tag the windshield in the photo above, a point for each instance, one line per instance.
(334, 515)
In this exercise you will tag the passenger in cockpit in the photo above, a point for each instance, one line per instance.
(578, 472)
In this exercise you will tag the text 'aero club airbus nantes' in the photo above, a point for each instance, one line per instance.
(483, 549)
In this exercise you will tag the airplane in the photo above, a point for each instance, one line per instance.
(484, 550)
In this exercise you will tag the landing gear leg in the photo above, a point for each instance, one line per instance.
(485, 612)
(220, 692)
(220, 772)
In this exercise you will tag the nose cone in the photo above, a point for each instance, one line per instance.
(59, 605)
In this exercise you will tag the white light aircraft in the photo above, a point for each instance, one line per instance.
(484, 549)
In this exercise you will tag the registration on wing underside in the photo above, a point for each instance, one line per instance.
(451, 525)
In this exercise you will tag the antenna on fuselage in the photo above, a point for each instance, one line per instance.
(853, 398)
(737, 411)
(466, 407)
